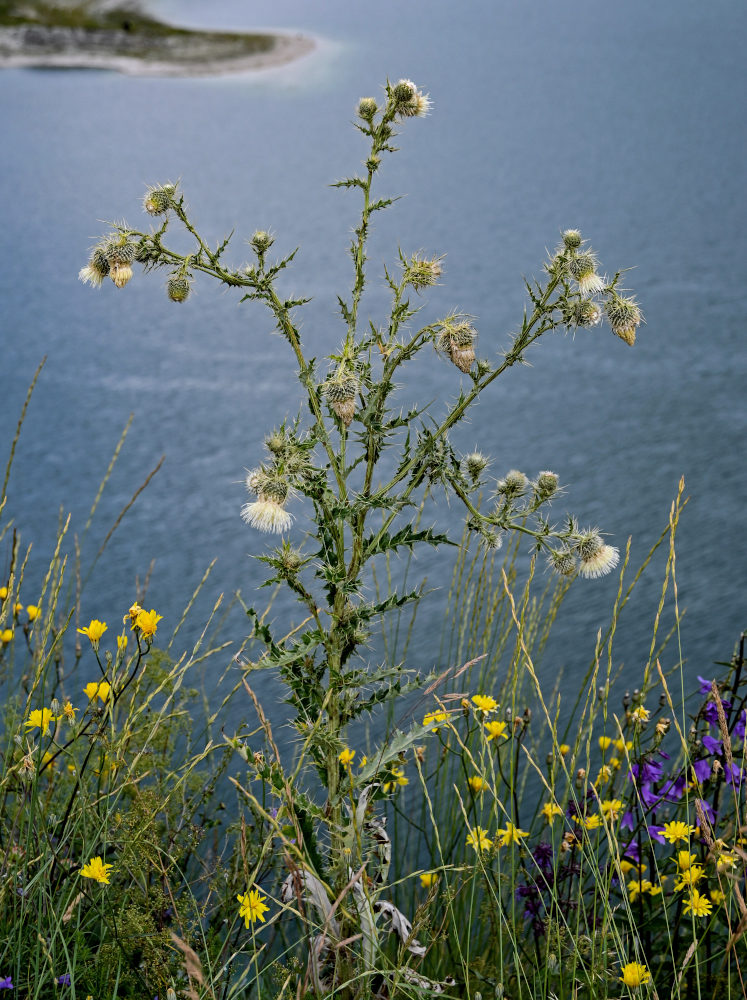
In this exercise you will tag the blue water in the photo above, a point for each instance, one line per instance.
(624, 120)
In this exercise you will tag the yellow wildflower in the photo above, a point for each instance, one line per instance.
(605, 742)
(479, 839)
(121, 643)
(496, 730)
(97, 869)
(614, 763)
(690, 877)
(33, 611)
(564, 749)
(346, 757)
(40, 718)
(427, 879)
(432, 717)
(147, 622)
(398, 778)
(484, 702)
(634, 975)
(550, 810)
(592, 822)
(611, 809)
(604, 776)
(640, 715)
(717, 896)
(94, 631)
(677, 830)
(132, 614)
(685, 860)
(3, 593)
(477, 784)
(698, 905)
(636, 887)
(511, 835)
(622, 745)
(252, 907)
(92, 690)
(69, 712)
(363, 761)
(6, 635)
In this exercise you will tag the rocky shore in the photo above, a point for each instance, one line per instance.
(139, 45)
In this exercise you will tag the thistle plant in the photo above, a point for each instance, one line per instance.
(364, 469)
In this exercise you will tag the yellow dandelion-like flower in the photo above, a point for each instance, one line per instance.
(346, 757)
(97, 870)
(363, 761)
(121, 643)
(614, 763)
(92, 690)
(550, 810)
(640, 716)
(33, 611)
(623, 745)
(427, 879)
(484, 702)
(398, 778)
(431, 718)
(147, 622)
(628, 866)
(685, 860)
(132, 614)
(605, 742)
(689, 877)
(717, 897)
(94, 631)
(40, 718)
(564, 749)
(252, 907)
(477, 784)
(636, 887)
(511, 835)
(697, 904)
(634, 975)
(6, 635)
(496, 730)
(479, 839)
(611, 809)
(69, 712)
(677, 830)
(592, 822)
(605, 775)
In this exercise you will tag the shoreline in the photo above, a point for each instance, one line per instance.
(191, 54)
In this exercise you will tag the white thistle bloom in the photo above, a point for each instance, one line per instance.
(591, 284)
(599, 563)
(267, 515)
(89, 275)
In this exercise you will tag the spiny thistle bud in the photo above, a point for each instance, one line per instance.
(158, 199)
(373, 163)
(572, 239)
(120, 255)
(96, 269)
(276, 442)
(583, 268)
(456, 341)
(546, 486)
(408, 101)
(562, 562)
(583, 312)
(120, 274)
(514, 485)
(595, 558)
(421, 272)
(367, 108)
(261, 241)
(475, 463)
(178, 288)
(491, 540)
(624, 316)
(340, 392)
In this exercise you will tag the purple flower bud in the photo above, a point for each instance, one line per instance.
(657, 833)
(706, 807)
(63, 980)
(734, 774)
(702, 769)
(740, 725)
(710, 712)
(6, 984)
(705, 685)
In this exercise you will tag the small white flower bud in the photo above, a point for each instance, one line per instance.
(583, 267)
(475, 463)
(408, 101)
(514, 484)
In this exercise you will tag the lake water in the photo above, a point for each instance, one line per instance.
(624, 120)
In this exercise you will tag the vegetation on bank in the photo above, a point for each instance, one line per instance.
(94, 28)
(489, 835)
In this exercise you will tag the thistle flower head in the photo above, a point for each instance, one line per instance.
(562, 561)
(267, 513)
(367, 108)
(513, 485)
(456, 340)
(120, 274)
(159, 199)
(583, 312)
(475, 464)
(178, 287)
(624, 317)
(420, 272)
(582, 267)
(572, 239)
(340, 392)
(408, 101)
(261, 241)
(546, 486)
(96, 269)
